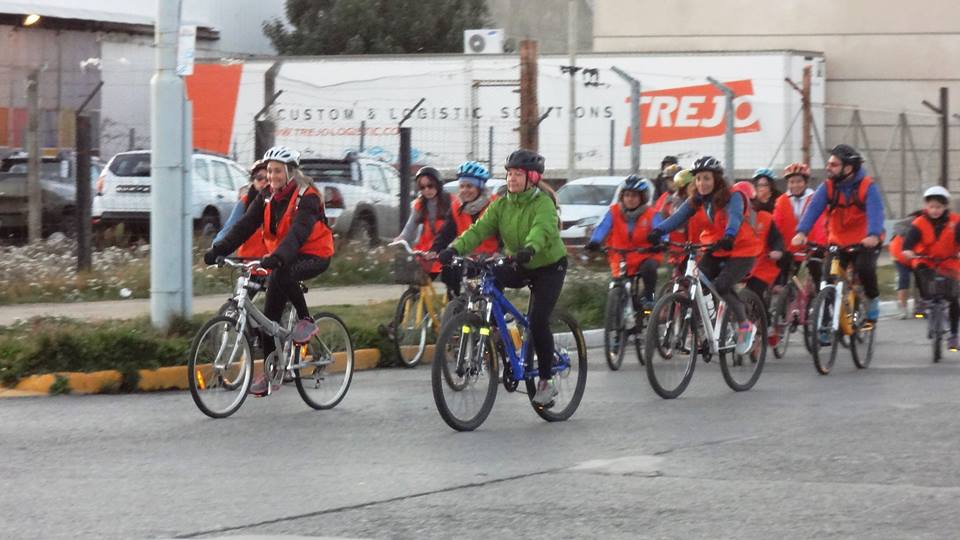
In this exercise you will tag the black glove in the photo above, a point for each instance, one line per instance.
(655, 236)
(725, 243)
(270, 262)
(211, 256)
(524, 255)
(446, 255)
(592, 246)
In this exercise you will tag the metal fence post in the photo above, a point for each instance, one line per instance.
(634, 118)
(612, 135)
(729, 131)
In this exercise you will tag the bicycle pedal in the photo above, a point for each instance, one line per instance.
(546, 406)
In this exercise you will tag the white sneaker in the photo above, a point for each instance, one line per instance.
(546, 392)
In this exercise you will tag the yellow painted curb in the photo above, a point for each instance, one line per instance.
(151, 380)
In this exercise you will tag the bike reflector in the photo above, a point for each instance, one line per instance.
(200, 382)
(484, 331)
(465, 329)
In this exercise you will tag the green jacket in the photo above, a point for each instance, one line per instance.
(527, 219)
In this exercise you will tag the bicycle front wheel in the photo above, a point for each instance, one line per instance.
(219, 367)
(671, 345)
(324, 366)
(741, 371)
(569, 369)
(823, 340)
(410, 327)
(780, 320)
(464, 372)
(614, 333)
(861, 342)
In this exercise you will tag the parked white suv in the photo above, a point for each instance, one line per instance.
(123, 191)
(361, 195)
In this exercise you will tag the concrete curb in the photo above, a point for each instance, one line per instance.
(151, 380)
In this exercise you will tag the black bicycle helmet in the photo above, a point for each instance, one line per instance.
(847, 155)
(527, 160)
(431, 172)
(669, 160)
(707, 163)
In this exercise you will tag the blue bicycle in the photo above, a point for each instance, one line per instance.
(486, 343)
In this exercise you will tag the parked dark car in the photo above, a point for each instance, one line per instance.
(59, 193)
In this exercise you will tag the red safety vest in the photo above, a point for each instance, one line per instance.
(429, 230)
(253, 247)
(765, 269)
(320, 241)
(896, 251)
(940, 247)
(847, 216)
(786, 221)
(620, 237)
(465, 220)
(745, 244)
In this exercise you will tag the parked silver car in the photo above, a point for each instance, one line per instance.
(583, 203)
(123, 190)
(362, 196)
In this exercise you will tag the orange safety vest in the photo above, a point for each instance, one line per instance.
(786, 221)
(847, 216)
(666, 208)
(765, 269)
(620, 237)
(940, 247)
(746, 243)
(320, 241)
(253, 247)
(465, 220)
(430, 230)
(896, 251)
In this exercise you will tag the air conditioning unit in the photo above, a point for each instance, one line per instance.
(484, 41)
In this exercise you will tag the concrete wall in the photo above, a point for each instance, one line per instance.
(542, 20)
(883, 57)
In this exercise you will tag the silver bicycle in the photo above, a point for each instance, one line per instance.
(221, 363)
(693, 320)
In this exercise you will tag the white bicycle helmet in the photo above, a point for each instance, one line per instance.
(283, 155)
(936, 191)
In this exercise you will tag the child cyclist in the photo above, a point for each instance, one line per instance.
(854, 210)
(932, 245)
(625, 226)
(766, 268)
(468, 206)
(786, 214)
(724, 221)
(526, 220)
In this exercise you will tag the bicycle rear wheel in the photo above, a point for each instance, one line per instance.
(671, 345)
(324, 367)
(464, 374)
(861, 342)
(822, 336)
(410, 328)
(741, 371)
(569, 369)
(780, 320)
(219, 367)
(614, 333)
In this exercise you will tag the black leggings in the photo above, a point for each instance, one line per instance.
(865, 265)
(648, 273)
(725, 272)
(790, 267)
(546, 283)
(284, 285)
(758, 286)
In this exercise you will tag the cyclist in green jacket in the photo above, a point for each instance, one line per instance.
(526, 220)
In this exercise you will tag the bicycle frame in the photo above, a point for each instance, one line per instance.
(694, 280)
(497, 308)
(428, 295)
(838, 279)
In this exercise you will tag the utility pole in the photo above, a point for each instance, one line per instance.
(805, 102)
(84, 145)
(944, 111)
(634, 118)
(34, 193)
(529, 117)
(168, 264)
(404, 163)
(572, 106)
(729, 131)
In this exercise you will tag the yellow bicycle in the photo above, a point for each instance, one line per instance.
(838, 315)
(418, 315)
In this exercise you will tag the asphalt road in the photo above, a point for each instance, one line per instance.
(859, 453)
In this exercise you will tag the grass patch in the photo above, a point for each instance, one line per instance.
(60, 386)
